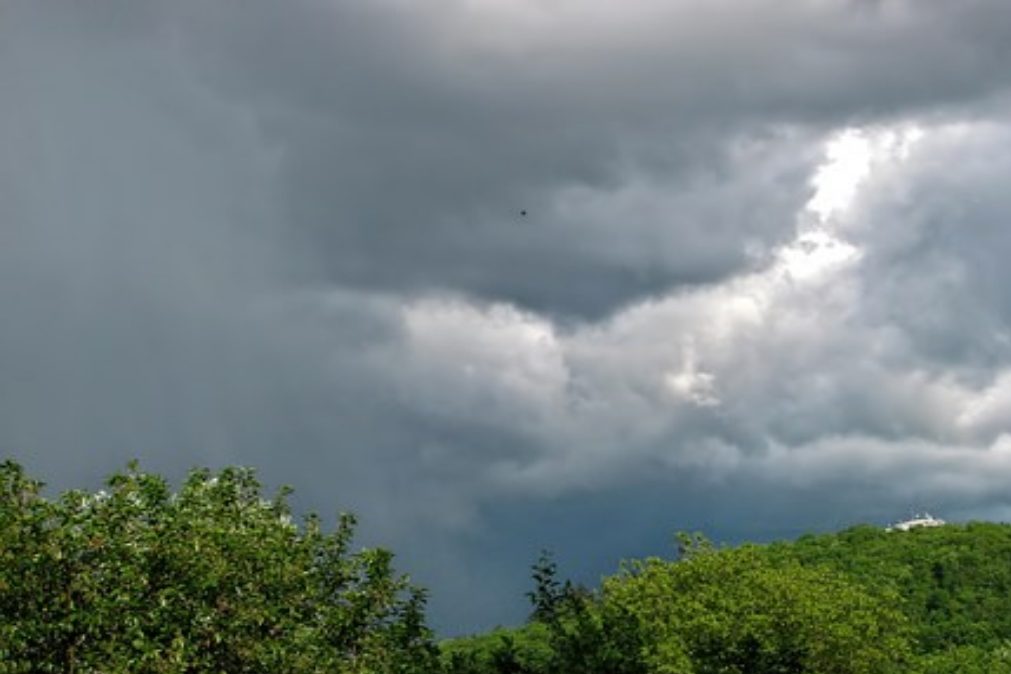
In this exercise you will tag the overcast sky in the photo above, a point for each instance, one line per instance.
(761, 286)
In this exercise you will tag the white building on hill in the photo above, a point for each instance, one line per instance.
(924, 520)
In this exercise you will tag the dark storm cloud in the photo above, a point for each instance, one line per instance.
(412, 136)
(288, 235)
(464, 135)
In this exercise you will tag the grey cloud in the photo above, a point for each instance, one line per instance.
(287, 234)
(411, 138)
(935, 239)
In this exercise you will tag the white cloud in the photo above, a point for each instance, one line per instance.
(490, 362)
(691, 383)
(847, 164)
(773, 372)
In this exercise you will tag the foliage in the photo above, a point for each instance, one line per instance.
(588, 636)
(968, 660)
(739, 611)
(954, 581)
(548, 594)
(570, 632)
(212, 578)
(521, 650)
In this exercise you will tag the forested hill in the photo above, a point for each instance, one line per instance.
(954, 581)
(928, 600)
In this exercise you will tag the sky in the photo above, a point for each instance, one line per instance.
(760, 287)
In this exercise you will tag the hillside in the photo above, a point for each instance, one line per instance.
(929, 600)
(954, 581)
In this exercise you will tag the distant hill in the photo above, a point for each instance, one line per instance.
(954, 581)
(930, 600)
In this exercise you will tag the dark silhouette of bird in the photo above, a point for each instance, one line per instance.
(523, 213)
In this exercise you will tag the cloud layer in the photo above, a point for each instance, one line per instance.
(759, 286)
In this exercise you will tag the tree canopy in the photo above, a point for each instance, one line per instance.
(211, 578)
(926, 601)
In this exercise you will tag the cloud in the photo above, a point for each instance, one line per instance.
(760, 286)
(680, 120)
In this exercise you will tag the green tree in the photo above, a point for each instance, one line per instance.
(585, 635)
(548, 593)
(954, 581)
(212, 578)
(569, 632)
(525, 649)
(738, 611)
(968, 660)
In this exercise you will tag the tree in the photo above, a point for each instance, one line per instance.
(737, 611)
(548, 593)
(212, 578)
(519, 650)
(585, 636)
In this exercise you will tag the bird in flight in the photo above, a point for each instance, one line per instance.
(523, 213)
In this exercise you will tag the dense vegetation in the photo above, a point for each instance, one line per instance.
(928, 601)
(212, 578)
(215, 578)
